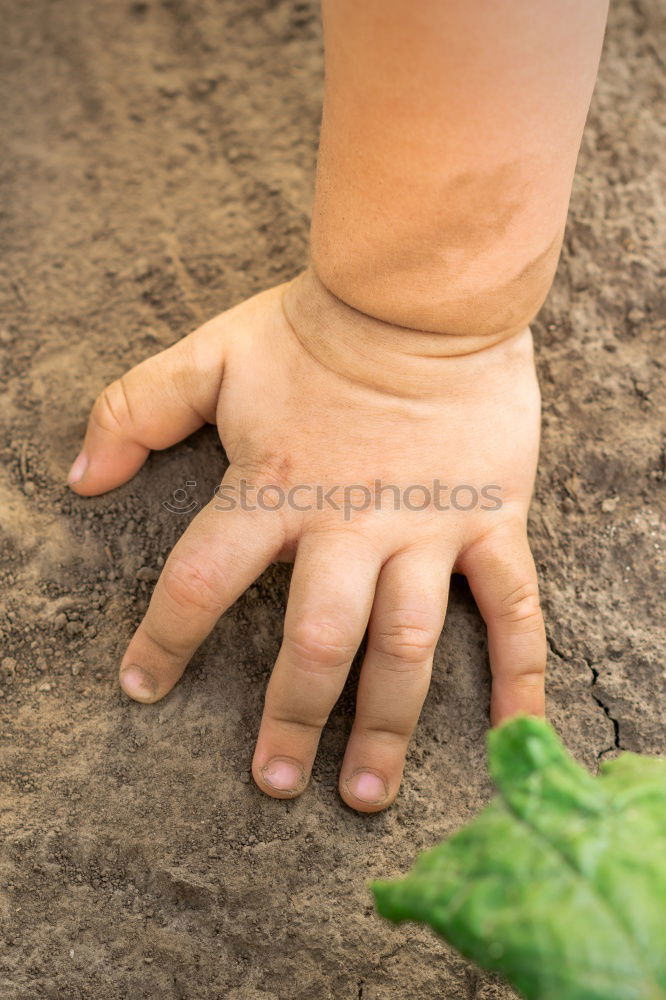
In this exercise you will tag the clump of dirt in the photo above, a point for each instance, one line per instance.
(157, 169)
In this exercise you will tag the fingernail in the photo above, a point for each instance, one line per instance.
(367, 786)
(78, 469)
(283, 774)
(138, 684)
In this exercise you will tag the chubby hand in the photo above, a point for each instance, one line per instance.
(378, 459)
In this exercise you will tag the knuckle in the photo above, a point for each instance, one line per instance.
(521, 609)
(406, 639)
(529, 678)
(258, 487)
(390, 733)
(306, 723)
(495, 540)
(319, 645)
(111, 410)
(193, 585)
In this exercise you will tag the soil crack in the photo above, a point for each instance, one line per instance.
(617, 743)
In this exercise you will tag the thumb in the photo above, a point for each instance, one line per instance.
(154, 405)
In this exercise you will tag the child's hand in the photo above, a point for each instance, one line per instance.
(307, 392)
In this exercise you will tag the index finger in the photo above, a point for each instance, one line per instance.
(216, 559)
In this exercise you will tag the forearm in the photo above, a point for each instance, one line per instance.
(449, 141)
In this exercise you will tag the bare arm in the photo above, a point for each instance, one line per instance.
(449, 141)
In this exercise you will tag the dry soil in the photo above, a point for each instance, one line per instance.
(157, 167)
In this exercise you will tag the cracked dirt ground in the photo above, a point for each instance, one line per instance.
(157, 168)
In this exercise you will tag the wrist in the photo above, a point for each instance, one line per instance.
(485, 298)
(388, 356)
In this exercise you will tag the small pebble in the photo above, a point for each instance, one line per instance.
(147, 574)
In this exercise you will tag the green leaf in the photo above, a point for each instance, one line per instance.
(560, 883)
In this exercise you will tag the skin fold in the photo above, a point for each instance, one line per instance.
(402, 354)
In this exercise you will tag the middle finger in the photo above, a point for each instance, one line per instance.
(330, 597)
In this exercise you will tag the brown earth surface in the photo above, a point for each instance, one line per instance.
(157, 168)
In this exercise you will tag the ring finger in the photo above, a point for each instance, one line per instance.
(406, 621)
